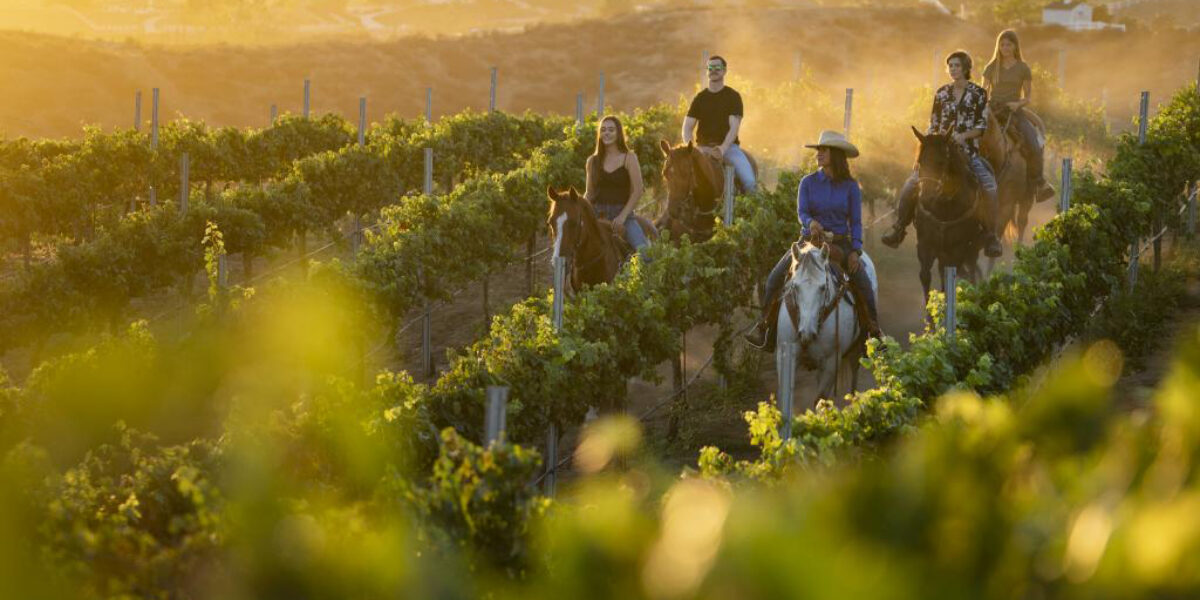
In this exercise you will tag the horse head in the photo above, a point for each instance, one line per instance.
(810, 286)
(941, 167)
(692, 182)
(565, 219)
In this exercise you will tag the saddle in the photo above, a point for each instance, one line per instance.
(1015, 139)
(848, 290)
(624, 248)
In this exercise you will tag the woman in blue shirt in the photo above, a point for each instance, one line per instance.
(828, 204)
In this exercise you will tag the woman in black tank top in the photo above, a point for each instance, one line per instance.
(614, 181)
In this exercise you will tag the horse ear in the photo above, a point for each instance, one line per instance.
(665, 147)
(918, 134)
(825, 252)
(551, 193)
(795, 252)
(574, 193)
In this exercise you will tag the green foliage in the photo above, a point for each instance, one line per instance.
(134, 519)
(478, 501)
(1011, 322)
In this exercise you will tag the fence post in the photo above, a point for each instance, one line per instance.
(1143, 116)
(1133, 264)
(729, 183)
(153, 197)
(362, 121)
(579, 112)
(497, 396)
(491, 96)
(137, 111)
(785, 365)
(560, 271)
(274, 113)
(797, 70)
(600, 97)
(951, 302)
(154, 119)
(849, 109)
(560, 284)
(184, 167)
(428, 106)
(428, 187)
(1064, 194)
(307, 97)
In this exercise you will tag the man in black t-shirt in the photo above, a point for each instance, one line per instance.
(717, 110)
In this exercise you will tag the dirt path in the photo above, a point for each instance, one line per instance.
(1135, 390)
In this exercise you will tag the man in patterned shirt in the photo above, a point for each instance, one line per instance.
(960, 110)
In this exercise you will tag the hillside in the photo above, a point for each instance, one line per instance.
(57, 84)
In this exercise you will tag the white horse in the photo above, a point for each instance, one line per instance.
(818, 320)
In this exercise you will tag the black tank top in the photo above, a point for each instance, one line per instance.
(612, 188)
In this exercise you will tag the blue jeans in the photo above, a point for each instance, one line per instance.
(633, 229)
(741, 168)
(987, 180)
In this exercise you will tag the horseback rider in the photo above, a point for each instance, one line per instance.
(1009, 83)
(829, 206)
(959, 109)
(614, 182)
(717, 109)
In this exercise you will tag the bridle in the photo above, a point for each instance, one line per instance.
(690, 198)
(577, 247)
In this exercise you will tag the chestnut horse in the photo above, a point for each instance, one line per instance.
(592, 250)
(1000, 146)
(695, 183)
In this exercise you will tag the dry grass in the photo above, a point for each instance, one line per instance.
(56, 84)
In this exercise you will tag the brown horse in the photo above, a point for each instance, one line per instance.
(949, 212)
(1001, 147)
(695, 183)
(592, 250)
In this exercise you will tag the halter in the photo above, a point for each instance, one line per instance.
(690, 198)
(831, 302)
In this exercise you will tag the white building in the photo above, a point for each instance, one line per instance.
(1075, 15)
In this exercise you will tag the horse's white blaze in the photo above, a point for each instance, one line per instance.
(560, 222)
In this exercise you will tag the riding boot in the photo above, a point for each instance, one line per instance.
(761, 336)
(906, 210)
(991, 243)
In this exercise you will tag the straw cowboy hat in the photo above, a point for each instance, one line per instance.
(833, 139)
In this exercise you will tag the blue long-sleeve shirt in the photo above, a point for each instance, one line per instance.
(836, 206)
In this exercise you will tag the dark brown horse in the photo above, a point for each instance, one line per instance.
(695, 183)
(592, 250)
(949, 214)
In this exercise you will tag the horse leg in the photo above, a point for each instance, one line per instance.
(785, 370)
(827, 378)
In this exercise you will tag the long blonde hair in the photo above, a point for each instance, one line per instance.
(1010, 35)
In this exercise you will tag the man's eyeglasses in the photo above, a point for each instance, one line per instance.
(716, 68)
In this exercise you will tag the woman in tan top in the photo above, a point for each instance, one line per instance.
(1009, 83)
